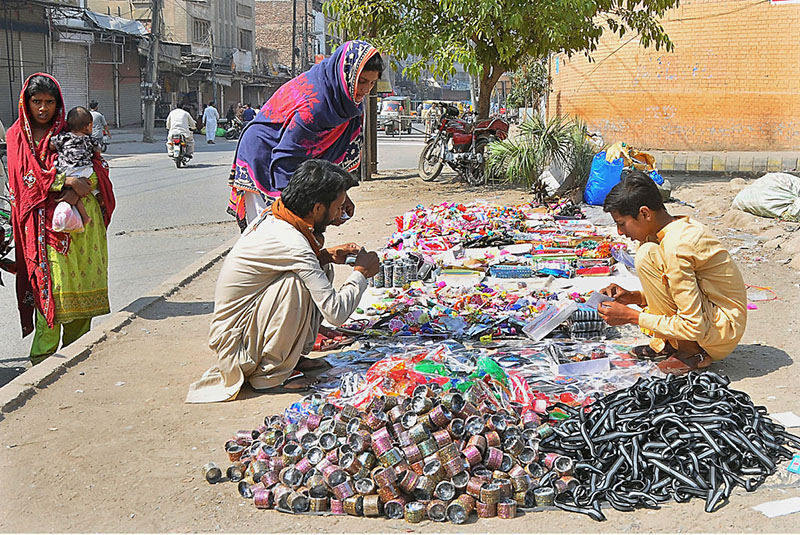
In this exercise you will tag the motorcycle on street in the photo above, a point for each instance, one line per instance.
(178, 150)
(234, 130)
(461, 145)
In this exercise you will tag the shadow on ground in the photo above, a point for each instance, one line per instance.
(204, 165)
(9, 371)
(753, 360)
(161, 309)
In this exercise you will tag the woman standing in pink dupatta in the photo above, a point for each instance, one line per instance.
(62, 278)
(317, 114)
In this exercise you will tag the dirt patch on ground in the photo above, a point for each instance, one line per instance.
(111, 446)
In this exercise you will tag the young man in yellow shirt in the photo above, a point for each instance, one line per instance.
(693, 295)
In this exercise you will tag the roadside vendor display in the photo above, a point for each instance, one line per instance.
(482, 381)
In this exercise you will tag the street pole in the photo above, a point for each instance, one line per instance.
(294, 37)
(151, 75)
(213, 69)
(305, 35)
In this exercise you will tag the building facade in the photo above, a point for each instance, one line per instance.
(215, 41)
(93, 56)
(313, 35)
(731, 83)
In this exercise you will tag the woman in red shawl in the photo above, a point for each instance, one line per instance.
(62, 279)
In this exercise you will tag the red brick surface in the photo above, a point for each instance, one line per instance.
(274, 27)
(731, 83)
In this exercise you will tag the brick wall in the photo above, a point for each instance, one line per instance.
(732, 81)
(273, 27)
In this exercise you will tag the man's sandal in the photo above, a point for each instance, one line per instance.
(645, 352)
(682, 363)
(307, 365)
(297, 383)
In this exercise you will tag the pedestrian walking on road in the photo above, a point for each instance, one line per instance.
(275, 288)
(315, 115)
(62, 278)
(99, 124)
(248, 114)
(210, 118)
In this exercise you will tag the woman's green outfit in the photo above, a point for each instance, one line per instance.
(80, 284)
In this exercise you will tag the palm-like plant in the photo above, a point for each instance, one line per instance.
(580, 163)
(522, 159)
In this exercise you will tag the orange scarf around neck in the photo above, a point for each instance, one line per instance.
(280, 211)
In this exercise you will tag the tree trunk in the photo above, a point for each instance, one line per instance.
(488, 80)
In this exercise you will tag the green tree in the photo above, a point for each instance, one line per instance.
(530, 82)
(490, 37)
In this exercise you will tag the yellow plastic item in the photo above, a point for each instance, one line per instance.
(631, 157)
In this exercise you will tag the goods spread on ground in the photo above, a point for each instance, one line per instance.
(479, 378)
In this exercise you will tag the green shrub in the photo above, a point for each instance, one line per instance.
(522, 159)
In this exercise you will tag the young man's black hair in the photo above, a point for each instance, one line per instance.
(77, 118)
(315, 181)
(635, 190)
(93, 105)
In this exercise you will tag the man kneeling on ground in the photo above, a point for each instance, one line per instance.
(275, 288)
(693, 294)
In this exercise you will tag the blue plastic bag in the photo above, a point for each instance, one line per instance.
(656, 176)
(602, 177)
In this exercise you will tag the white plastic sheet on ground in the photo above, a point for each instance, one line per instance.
(775, 195)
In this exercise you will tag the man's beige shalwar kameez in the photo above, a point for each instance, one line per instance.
(693, 289)
(271, 296)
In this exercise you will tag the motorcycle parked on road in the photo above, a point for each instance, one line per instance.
(234, 130)
(178, 150)
(461, 145)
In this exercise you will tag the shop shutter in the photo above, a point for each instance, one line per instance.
(34, 60)
(101, 81)
(70, 67)
(130, 89)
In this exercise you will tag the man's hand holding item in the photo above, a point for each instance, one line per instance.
(621, 295)
(615, 313)
(367, 263)
(340, 253)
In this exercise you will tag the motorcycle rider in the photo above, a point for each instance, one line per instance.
(180, 121)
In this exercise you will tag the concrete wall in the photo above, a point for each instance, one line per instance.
(731, 83)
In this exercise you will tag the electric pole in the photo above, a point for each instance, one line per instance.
(213, 68)
(294, 37)
(305, 35)
(369, 161)
(151, 76)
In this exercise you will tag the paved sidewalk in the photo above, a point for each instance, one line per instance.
(742, 163)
